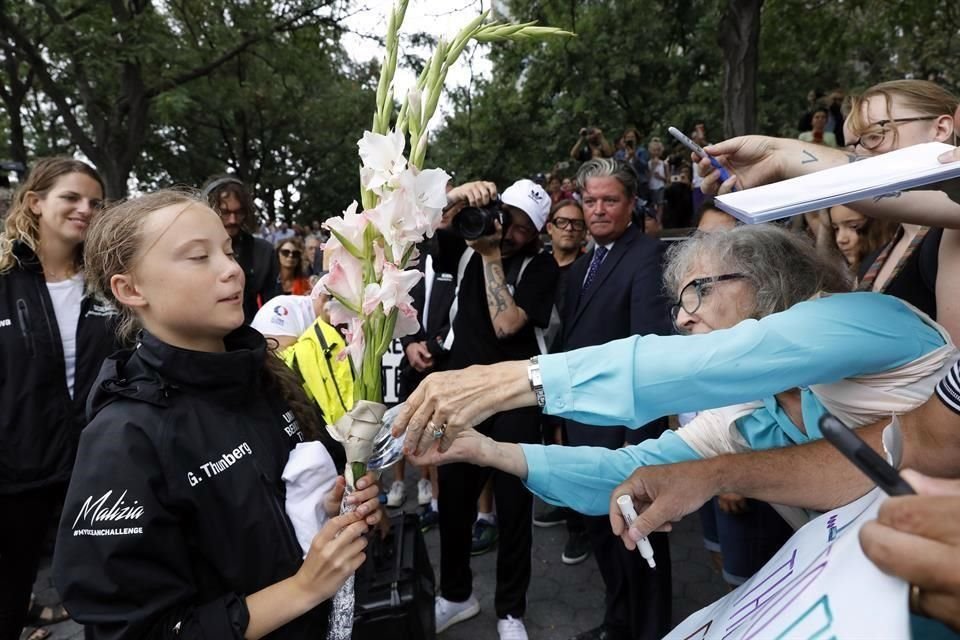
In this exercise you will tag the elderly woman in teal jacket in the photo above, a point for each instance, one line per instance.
(771, 346)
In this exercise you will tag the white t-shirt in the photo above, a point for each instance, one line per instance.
(285, 316)
(67, 297)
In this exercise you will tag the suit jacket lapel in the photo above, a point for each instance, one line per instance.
(609, 264)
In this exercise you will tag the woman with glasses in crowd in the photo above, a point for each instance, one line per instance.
(769, 339)
(53, 338)
(293, 269)
(919, 264)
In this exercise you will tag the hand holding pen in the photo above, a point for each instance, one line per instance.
(625, 503)
(724, 175)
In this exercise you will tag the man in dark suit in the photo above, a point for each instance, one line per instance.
(613, 292)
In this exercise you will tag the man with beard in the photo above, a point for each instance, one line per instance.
(505, 292)
(229, 197)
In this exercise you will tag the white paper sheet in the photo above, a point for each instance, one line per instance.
(872, 177)
(819, 585)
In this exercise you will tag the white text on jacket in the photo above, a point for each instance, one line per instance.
(98, 511)
(215, 467)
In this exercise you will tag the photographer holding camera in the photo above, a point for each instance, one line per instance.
(505, 289)
(591, 144)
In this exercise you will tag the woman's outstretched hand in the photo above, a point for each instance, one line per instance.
(467, 446)
(448, 402)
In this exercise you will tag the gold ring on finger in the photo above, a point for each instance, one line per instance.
(914, 598)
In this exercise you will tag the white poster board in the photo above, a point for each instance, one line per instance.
(818, 586)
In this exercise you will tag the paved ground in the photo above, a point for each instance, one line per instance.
(562, 600)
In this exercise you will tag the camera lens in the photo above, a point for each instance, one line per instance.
(475, 222)
(471, 223)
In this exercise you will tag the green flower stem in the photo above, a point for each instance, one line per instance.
(359, 470)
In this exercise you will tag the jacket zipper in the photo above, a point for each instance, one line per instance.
(292, 540)
(23, 315)
(278, 510)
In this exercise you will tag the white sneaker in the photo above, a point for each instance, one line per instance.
(511, 628)
(424, 492)
(397, 494)
(450, 613)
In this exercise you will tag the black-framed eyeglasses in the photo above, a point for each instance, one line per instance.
(873, 139)
(290, 253)
(693, 293)
(568, 223)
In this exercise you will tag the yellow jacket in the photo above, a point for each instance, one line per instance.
(327, 379)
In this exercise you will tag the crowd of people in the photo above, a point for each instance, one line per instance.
(168, 366)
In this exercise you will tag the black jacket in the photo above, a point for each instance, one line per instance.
(443, 289)
(624, 299)
(175, 511)
(39, 422)
(261, 272)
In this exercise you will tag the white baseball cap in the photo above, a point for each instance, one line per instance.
(285, 316)
(530, 198)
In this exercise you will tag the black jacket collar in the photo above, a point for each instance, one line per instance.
(155, 370)
(28, 260)
(237, 366)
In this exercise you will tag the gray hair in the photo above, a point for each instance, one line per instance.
(608, 168)
(783, 267)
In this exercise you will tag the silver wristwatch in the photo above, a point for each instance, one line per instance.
(536, 381)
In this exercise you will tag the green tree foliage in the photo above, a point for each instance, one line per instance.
(103, 73)
(156, 92)
(631, 64)
(655, 63)
(285, 120)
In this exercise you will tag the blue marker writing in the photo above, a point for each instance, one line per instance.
(693, 146)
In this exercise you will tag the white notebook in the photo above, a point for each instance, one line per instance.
(872, 177)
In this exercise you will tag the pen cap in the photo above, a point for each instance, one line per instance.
(625, 503)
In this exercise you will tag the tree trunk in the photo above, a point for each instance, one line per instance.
(739, 38)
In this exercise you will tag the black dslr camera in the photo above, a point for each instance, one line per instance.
(475, 222)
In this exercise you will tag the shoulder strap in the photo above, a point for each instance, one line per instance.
(523, 267)
(461, 268)
(328, 356)
(544, 336)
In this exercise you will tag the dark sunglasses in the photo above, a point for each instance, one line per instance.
(290, 253)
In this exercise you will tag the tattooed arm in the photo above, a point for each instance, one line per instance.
(506, 316)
